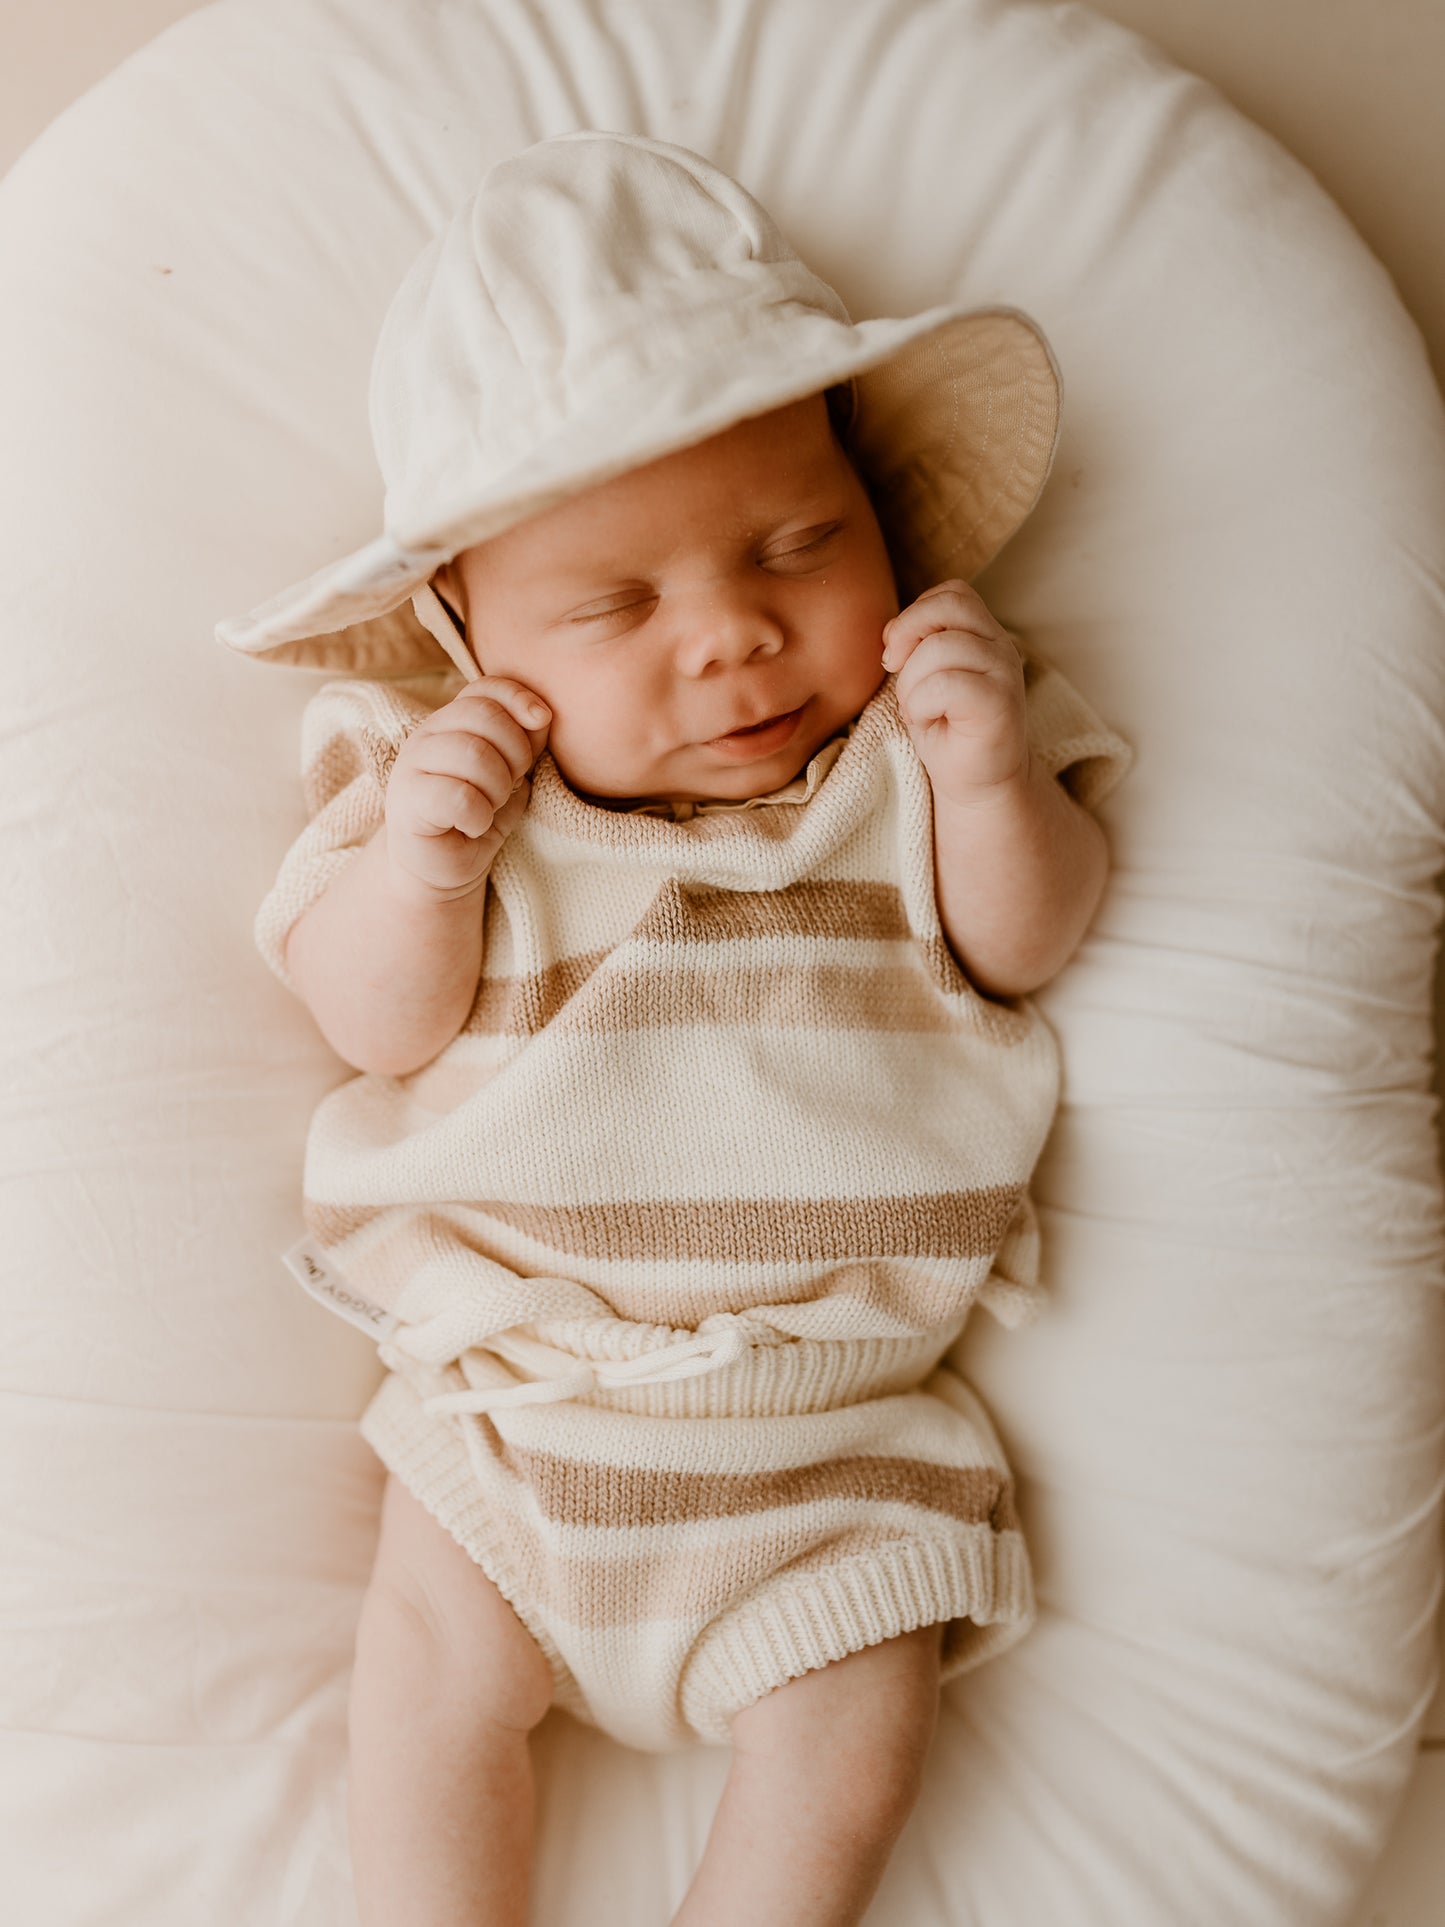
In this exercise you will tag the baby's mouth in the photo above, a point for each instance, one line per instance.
(759, 739)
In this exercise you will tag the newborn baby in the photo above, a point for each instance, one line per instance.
(680, 944)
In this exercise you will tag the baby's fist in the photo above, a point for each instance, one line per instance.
(459, 785)
(961, 692)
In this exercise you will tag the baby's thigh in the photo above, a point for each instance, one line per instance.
(875, 1708)
(433, 1623)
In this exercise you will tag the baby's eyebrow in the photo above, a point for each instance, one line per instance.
(601, 581)
(586, 569)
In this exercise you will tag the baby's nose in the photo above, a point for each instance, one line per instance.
(727, 633)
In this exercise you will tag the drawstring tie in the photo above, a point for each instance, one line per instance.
(687, 1358)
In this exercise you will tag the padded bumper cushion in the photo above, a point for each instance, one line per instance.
(1228, 1425)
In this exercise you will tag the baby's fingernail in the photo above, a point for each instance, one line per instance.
(535, 713)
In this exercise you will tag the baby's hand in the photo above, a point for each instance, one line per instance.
(459, 784)
(961, 692)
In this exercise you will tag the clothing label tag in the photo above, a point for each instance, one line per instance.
(317, 1274)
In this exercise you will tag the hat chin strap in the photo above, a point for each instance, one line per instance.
(433, 614)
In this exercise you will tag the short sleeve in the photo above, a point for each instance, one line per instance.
(350, 734)
(1068, 737)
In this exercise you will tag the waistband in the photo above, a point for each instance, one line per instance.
(733, 1365)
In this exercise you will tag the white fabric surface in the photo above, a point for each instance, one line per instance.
(1228, 1427)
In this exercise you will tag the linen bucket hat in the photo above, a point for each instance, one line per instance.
(602, 300)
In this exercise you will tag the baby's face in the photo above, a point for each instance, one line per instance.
(699, 626)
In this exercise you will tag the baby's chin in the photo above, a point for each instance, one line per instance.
(738, 788)
(695, 773)
(736, 785)
(691, 785)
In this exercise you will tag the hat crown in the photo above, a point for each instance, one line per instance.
(603, 300)
(580, 268)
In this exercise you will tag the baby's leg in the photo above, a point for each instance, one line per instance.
(825, 1771)
(447, 1686)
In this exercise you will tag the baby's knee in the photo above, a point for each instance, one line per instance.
(436, 1639)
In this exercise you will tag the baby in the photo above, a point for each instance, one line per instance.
(680, 946)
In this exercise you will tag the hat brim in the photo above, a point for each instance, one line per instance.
(954, 430)
(956, 435)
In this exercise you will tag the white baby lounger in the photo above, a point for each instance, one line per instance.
(1229, 1425)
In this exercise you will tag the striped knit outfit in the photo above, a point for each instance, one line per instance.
(668, 1244)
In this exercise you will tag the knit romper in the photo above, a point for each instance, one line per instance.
(666, 1248)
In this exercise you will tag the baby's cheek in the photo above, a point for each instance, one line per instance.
(591, 744)
(859, 677)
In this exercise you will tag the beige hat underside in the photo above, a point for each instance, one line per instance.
(926, 431)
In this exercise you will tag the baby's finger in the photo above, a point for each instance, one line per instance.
(487, 719)
(439, 803)
(962, 697)
(510, 814)
(949, 605)
(469, 757)
(955, 585)
(977, 656)
(515, 700)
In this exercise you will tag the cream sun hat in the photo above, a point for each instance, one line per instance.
(605, 299)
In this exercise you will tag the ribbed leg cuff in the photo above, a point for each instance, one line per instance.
(980, 1581)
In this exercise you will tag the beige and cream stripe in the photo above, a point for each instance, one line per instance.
(722, 1073)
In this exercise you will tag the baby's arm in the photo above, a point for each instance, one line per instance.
(388, 956)
(1019, 865)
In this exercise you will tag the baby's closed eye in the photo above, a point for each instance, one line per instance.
(803, 549)
(630, 606)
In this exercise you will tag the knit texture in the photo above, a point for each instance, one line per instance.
(680, 1225)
